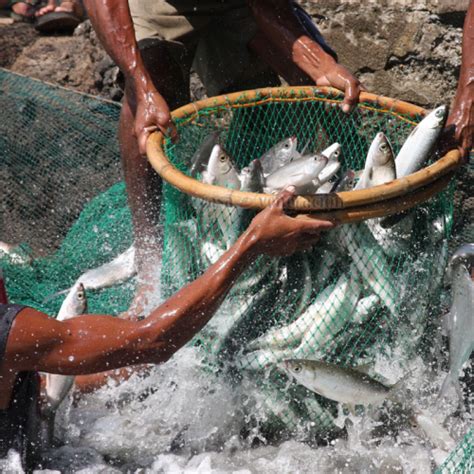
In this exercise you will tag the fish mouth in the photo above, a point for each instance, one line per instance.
(293, 138)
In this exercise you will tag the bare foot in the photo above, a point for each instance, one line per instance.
(23, 9)
(46, 9)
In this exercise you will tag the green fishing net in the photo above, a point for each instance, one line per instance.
(363, 293)
(461, 459)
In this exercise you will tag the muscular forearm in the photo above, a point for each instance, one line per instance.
(113, 24)
(278, 22)
(466, 77)
(462, 112)
(95, 343)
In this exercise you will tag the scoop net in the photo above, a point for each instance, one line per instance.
(364, 293)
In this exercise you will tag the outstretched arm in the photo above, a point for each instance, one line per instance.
(289, 42)
(113, 24)
(462, 111)
(89, 344)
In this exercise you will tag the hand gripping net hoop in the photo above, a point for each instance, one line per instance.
(359, 295)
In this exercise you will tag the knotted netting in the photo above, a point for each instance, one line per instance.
(364, 292)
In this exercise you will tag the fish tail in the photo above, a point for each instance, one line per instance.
(446, 383)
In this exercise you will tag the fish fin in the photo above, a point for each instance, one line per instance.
(364, 368)
(58, 293)
(447, 323)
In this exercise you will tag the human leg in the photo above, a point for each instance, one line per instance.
(162, 60)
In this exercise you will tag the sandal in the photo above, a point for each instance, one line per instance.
(28, 16)
(61, 19)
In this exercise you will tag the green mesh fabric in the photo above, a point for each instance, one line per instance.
(361, 293)
(58, 151)
(60, 176)
(461, 459)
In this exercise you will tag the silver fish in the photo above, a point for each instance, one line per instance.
(461, 317)
(58, 386)
(379, 166)
(118, 270)
(332, 153)
(421, 141)
(340, 384)
(370, 262)
(346, 183)
(221, 170)
(438, 436)
(300, 173)
(279, 155)
(200, 159)
(251, 177)
(336, 312)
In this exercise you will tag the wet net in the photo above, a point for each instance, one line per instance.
(461, 459)
(365, 293)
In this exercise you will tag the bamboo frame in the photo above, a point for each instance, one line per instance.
(347, 206)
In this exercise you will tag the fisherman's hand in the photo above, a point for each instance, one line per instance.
(459, 129)
(152, 113)
(277, 234)
(323, 69)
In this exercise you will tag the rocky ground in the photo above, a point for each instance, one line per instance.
(408, 53)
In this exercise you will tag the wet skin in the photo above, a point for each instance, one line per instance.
(95, 343)
(155, 84)
(461, 118)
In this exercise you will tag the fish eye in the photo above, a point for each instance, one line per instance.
(383, 147)
(337, 153)
(287, 145)
(297, 368)
(80, 295)
(439, 113)
(222, 158)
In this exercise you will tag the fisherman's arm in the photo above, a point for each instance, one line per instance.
(278, 22)
(113, 24)
(95, 343)
(462, 111)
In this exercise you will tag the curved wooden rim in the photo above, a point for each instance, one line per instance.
(351, 199)
(383, 208)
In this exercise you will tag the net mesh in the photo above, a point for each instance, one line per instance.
(361, 293)
(461, 459)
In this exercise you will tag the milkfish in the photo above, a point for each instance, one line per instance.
(200, 159)
(320, 320)
(460, 320)
(332, 153)
(220, 171)
(380, 169)
(421, 141)
(370, 262)
(279, 155)
(343, 385)
(58, 386)
(118, 270)
(379, 166)
(437, 434)
(337, 311)
(299, 173)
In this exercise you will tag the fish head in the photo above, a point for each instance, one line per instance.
(383, 152)
(251, 177)
(285, 150)
(436, 118)
(464, 255)
(219, 162)
(332, 152)
(80, 300)
(347, 182)
(315, 164)
(297, 368)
